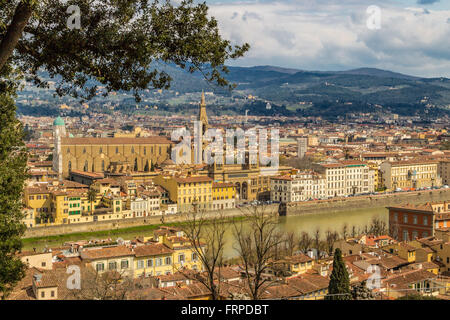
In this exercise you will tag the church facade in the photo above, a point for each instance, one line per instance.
(104, 154)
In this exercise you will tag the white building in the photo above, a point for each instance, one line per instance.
(299, 187)
(347, 177)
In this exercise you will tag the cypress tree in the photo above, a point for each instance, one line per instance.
(13, 160)
(339, 286)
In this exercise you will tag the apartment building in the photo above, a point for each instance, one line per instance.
(348, 177)
(299, 187)
(152, 259)
(115, 258)
(410, 174)
(187, 190)
(224, 195)
(409, 222)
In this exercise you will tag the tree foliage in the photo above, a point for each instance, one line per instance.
(121, 44)
(13, 159)
(339, 286)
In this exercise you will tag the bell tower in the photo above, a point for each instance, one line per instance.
(202, 116)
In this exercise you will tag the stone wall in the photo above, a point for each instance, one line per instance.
(353, 203)
(123, 223)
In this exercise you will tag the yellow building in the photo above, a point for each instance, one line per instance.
(39, 200)
(377, 181)
(184, 255)
(153, 259)
(58, 206)
(224, 195)
(403, 250)
(410, 174)
(186, 190)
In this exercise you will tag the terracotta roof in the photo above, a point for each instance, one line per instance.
(115, 141)
(152, 249)
(104, 253)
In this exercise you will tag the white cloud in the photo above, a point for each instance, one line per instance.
(330, 35)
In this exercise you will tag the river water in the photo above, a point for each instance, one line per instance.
(331, 220)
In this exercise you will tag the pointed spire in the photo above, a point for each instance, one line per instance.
(202, 102)
(202, 116)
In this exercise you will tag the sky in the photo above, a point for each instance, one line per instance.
(407, 36)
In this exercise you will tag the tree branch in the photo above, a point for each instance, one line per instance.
(22, 14)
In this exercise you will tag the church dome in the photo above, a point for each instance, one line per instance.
(58, 122)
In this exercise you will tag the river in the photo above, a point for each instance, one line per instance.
(332, 220)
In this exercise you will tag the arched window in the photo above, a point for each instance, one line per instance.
(70, 165)
(84, 150)
(103, 165)
(101, 150)
(132, 149)
(85, 166)
(117, 149)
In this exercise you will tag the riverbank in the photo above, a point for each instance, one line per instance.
(106, 229)
(125, 233)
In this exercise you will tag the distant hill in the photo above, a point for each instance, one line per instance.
(295, 92)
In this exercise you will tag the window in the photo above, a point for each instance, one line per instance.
(425, 221)
(112, 265)
(168, 260)
(405, 235)
(124, 264)
(415, 219)
(140, 264)
(194, 256)
(149, 263)
(414, 235)
(52, 294)
(181, 257)
(43, 264)
(405, 218)
(100, 267)
(158, 262)
(42, 294)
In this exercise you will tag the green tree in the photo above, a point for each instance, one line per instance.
(92, 196)
(339, 286)
(122, 44)
(13, 160)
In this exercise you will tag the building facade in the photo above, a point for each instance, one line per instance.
(410, 174)
(99, 154)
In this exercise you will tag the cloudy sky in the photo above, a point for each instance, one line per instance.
(413, 35)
